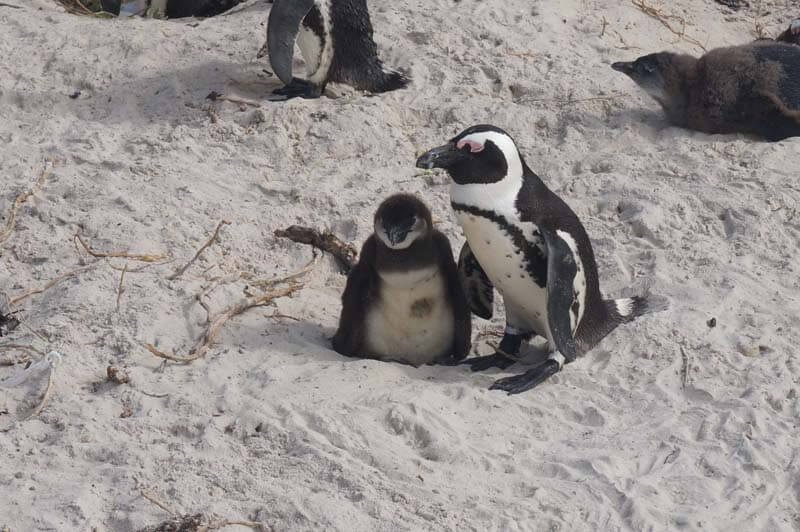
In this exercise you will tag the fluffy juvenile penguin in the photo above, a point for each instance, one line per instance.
(526, 243)
(403, 300)
(335, 39)
(753, 88)
(792, 33)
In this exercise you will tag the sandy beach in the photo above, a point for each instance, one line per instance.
(688, 419)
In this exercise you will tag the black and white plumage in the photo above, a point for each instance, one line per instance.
(403, 300)
(191, 8)
(525, 242)
(335, 39)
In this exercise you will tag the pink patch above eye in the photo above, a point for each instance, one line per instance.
(474, 147)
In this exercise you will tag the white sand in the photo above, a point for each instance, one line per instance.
(274, 426)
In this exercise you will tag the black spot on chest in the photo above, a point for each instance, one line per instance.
(422, 308)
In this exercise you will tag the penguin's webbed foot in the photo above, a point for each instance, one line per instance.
(525, 381)
(299, 88)
(498, 360)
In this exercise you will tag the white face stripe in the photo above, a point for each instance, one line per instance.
(499, 196)
(579, 283)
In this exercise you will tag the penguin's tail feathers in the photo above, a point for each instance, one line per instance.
(627, 309)
(390, 80)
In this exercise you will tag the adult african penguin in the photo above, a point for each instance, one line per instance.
(403, 300)
(752, 88)
(526, 243)
(335, 39)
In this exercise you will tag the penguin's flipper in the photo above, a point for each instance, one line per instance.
(282, 27)
(561, 272)
(477, 286)
(462, 337)
(356, 298)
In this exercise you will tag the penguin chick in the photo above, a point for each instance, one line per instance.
(403, 300)
(753, 88)
(335, 39)
(792, 33)
(526, 243)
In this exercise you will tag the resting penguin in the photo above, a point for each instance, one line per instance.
(526, 243)
(753, 88)
(335, 39)
(190, 8)
(792, 33)
(403, 300)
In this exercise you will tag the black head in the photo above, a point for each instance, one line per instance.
(401, 220)
(479, 154)
(648, 72)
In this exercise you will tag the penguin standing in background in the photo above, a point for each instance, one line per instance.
(524, 241)
(753, 88)
(335, 39)
(403, 300)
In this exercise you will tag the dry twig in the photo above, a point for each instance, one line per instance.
(215, 96)
(345, 253)
(23, 197)
(46, 397)
(684, 368)
(180, 271)
(143, 257)
(51, 283)
(119, 288)
(216, 323)
(664, 19)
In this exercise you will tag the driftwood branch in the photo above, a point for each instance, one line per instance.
(345, 253)
(51, 283)
(655, 13)
(23, 197)
(215, 323)
(180, 271)
(143, 257)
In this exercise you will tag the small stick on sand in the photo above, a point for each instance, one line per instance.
(3, 4)
(684, 368)
(155, 501)
(327, 241)
(215, 96)
(210, 241)
(46, 396)
(51, 283)
(663, 19)
(121, 254)
(119, 288)
(23, 197)
(216, 323)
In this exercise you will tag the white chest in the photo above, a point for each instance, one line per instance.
(412, 322)
(317, 52)
(505, 265)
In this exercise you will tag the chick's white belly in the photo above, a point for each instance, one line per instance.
(412, 322)
(525, 301)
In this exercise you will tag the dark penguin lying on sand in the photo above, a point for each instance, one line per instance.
(191, 8)
(753, 88)
(403, 300)
(335, 39)
(792, 33)
(526, 243)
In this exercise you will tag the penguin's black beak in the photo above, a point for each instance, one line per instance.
(624, 67)
(441, 157)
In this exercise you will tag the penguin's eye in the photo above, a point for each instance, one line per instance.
(474, 147)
